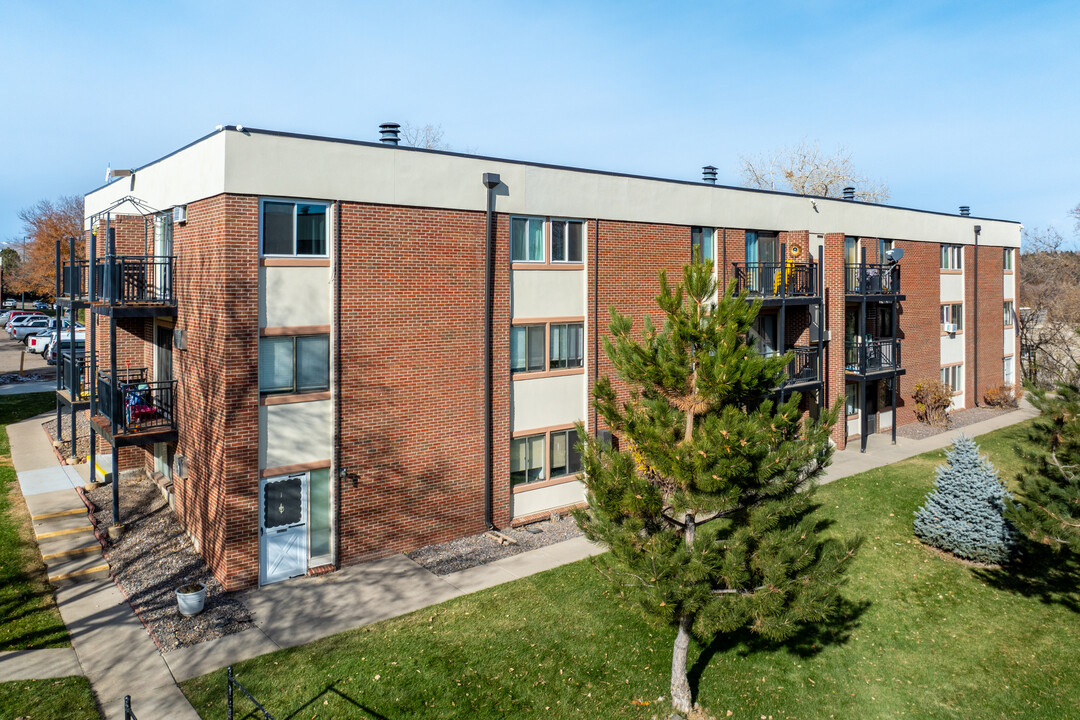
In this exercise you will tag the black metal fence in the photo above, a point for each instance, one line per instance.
(803, 368)
(122, 280)
(871, 279)
(75, 377)
(777, 279)
(135, 404)
(128, 715)
(230, 683)
(873, 356)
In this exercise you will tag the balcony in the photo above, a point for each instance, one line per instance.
(75, 384)
(123, 284)
(778, 280)
(803, 368)
(872, 357)
(144, 411)
(868, 279)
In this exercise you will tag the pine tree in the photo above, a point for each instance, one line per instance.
(1047, 508)
(702, 511)
(963, 515)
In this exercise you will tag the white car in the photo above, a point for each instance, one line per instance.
(80, 347)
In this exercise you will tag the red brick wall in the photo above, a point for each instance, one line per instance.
(991, 326)
(412, 378)
(919, 320)
(834, 315)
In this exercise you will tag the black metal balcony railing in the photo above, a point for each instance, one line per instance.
(777, 279)
(873, 356)
(869, 279)
(135, 404)
(803, 368)
(75, 376)
(123, 280)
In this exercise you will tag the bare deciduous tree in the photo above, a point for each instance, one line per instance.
(1050, 308)
(806, 170)
(429, 137)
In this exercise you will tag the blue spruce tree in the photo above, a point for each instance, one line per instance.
(964, 513)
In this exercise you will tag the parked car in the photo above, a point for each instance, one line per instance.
(40, 342)
(42, 305)
(31, 327)
(22, 320)
(10, 303)
(80, 346)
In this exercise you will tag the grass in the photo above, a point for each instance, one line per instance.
(28, 615)
(923, 637)
(55, 699)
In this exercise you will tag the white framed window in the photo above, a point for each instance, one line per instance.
(953, 376)
(290, 228)
(952, 257)
(851, 399)
(567, 345)
(567, 237)
(551, 345)
(1007, 370)
(527, 348)
(952, 314)
(294, 364)
(527, 239)
(527, 459)
(1008, 313)
(565, 458)
(1007, 259)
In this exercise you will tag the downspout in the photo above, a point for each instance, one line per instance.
(596, 316)
(491, 181)
(975, 342)
(337, 469)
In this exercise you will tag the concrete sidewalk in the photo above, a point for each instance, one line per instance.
(880, 450)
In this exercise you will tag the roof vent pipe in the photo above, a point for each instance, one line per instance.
(849, 193)
(708, 174)
(965, 211)
(389, 133)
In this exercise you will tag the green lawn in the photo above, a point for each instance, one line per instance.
(28, 615)
(924, 637)
(66, 698)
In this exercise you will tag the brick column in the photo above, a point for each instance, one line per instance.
(834, 323)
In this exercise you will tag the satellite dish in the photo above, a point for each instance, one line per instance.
(894, 255)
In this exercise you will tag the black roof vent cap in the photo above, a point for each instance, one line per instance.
(389, 132)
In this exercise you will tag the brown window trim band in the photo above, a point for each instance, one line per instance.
(541, 430)
(561, 372)
(952, 272)
(525, 487)
(546, 320)
(293, 398)
(294, 330)
(292, 469)
(294, 262)
(546, 514)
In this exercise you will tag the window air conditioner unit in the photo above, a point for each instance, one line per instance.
(949, 327)
(179, 214)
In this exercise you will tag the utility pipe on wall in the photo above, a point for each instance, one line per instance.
(491, 181)
(975, 341)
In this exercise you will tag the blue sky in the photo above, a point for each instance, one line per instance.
(950, 104)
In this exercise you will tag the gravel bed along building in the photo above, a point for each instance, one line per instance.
(959, 419)
(82, 432)
(153, 558)
(467, 552)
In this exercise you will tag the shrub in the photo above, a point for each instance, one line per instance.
(1000, 396)
(964, 513)
(932, 400)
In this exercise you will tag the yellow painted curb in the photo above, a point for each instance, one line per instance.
(70, 531)
(77, 573)
(73, 551)
(59, 513)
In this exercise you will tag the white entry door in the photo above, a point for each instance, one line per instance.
(282, 528)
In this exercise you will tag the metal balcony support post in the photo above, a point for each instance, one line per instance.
(862, 415)
(91, 325)
(895, 377)
(71, 351)
(59, 372)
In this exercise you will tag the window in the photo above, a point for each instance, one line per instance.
(294, 364)
(953, 376)
(851, 250)
(527, 239)
(567, 340)
(1008, 312)
(527, 348)
(290, 228)
(527, 459)
(565, 458)
(1007, 262)
(1007, 371)
(885, 391)
(762, 335)
(319, 513)
(953, 313)
(566, 240)
(702, 245)
(851, 399)
(952, 257)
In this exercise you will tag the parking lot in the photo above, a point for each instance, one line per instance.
(12, 352)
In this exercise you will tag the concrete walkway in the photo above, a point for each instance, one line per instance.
(880, 450)
(25, 388)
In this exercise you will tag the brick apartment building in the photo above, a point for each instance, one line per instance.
(293, 340)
